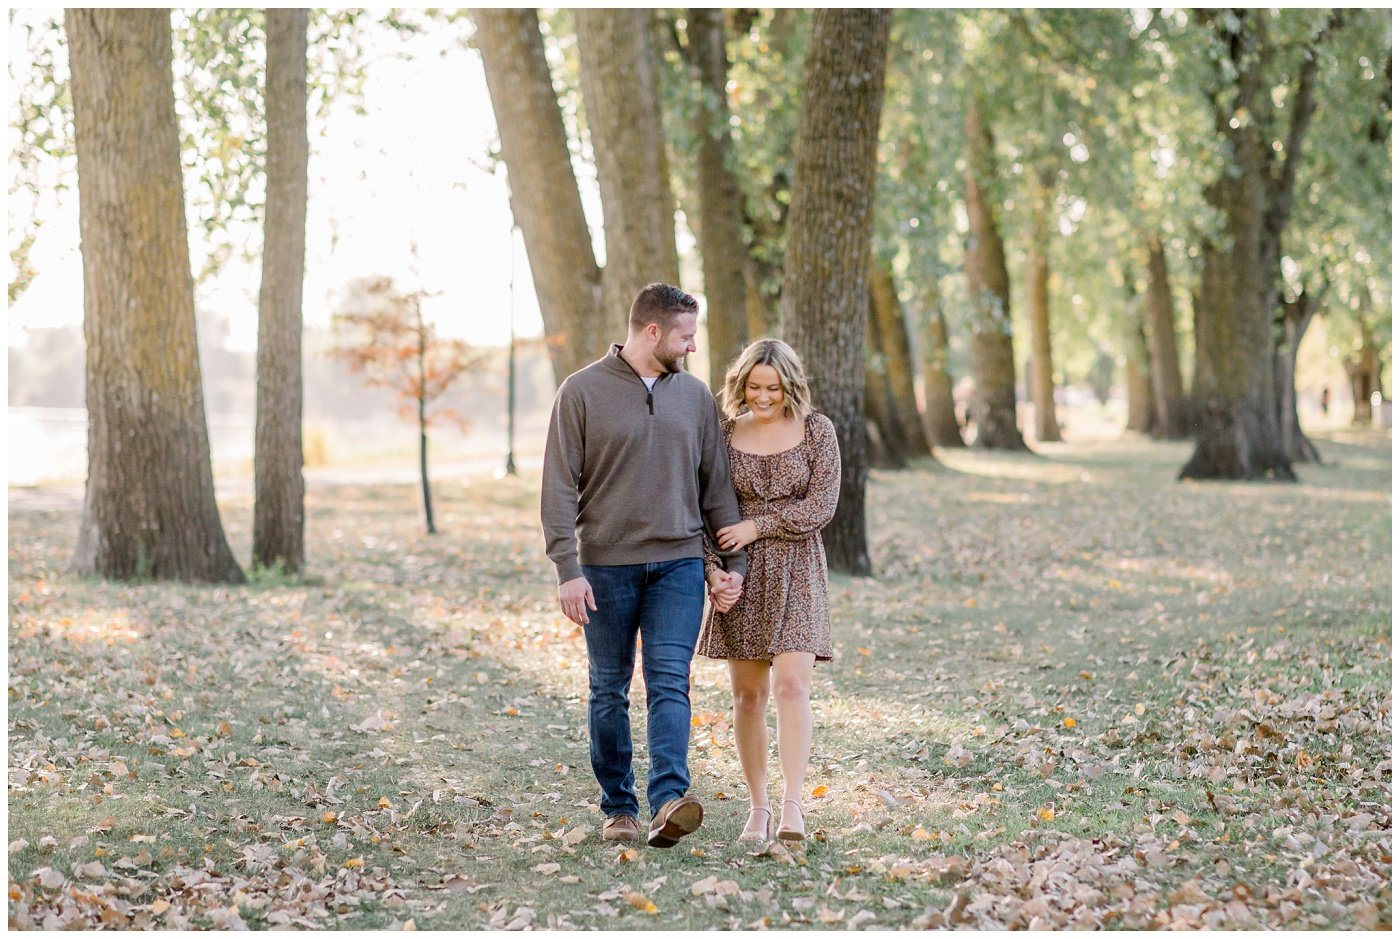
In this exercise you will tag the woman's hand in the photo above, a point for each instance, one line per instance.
(734, 537)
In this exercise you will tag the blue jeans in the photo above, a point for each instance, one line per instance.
(663, 601)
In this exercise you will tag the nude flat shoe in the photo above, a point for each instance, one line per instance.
(794, 834)
(766, 833)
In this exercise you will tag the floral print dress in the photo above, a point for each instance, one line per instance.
(790, 496)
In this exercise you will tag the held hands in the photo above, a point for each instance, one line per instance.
(734, 537)
(576, 599)
(725, 589)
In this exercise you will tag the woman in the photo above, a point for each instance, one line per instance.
(786, 469)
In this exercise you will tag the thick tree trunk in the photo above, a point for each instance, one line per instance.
(1238, 425)
(721, 222)
(544, 192)
(887, 434)
(940, 409)
(1170, 417)
(1042, 377)
(993, 358)
(897, 359)
(149, 509)
(826, 269)
(279, 521)
(618, 74)
(1363, 375)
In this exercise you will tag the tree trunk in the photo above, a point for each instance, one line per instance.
(721, 224)
(423, 418)
(149, 508)
(993, 358)
(1363, 371)
(1138, 372)
(826, 268)
(897, 358)
(1168, 397)
(1297, 316)
(940, 410)
(544, 195)
(279, 521)
(619, 78)
(1042, 377)
(887, 434)
(1238, 433)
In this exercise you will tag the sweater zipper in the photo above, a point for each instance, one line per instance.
(650, 408)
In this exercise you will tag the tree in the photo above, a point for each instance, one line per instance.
(993, 358)
(149, 509)
(279, 521)
(1042, 377)
(1170, 419)
(620, 81)
(544, 196)
(895, 360)
(720, 227)
(826, 268)
(385, 338)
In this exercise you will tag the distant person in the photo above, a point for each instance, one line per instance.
(1325, 399)
(786, 467)
(635, 471)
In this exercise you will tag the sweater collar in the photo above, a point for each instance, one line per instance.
(614, 362)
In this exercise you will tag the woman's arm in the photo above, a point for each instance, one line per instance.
(812, 512)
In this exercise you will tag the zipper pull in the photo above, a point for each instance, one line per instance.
(650, 409)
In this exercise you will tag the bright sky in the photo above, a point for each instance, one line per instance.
(415, 169)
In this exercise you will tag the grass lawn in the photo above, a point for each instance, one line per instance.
(1078, 693)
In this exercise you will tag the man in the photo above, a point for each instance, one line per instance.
(635, 471)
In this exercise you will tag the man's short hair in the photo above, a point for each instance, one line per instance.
(660, 304)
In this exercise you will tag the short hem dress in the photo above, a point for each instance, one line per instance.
(790, 496)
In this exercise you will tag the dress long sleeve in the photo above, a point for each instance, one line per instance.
(814, 510)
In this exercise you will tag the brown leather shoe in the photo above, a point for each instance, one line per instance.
(674, 821)
(620, 828)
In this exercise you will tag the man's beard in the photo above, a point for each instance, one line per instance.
(674, 364)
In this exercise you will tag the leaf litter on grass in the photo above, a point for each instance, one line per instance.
(1123, 702)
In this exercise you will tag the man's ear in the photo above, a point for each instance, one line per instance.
(653, 332)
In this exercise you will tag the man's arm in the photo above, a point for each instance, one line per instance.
(563, 464)
(718, 504)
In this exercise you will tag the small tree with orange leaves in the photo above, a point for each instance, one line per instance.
(383, 337)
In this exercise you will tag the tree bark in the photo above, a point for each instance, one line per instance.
(1238, 429)
(826, 268)
(993, 358)
(149, 508)
(544, 195)
(887, 435)
(1170, 417)
(279, 521)
(721, 224)
(619, 78)
(940, 410)
(897, 358)
(1042, 377)
(1138, 371)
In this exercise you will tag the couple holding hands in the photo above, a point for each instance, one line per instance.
(650, 502)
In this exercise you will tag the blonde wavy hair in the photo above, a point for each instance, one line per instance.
(797, 396)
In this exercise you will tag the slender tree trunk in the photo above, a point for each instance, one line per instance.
(897, 358)
(721, 223)
(887, 434)
(1363, 369)
(993, 358)
(762, 317)
(544, 196)
(1042, 377)
(1169, 399)
(621, 92)
(149, 509)
(1138, 371)
(423, 418)
(279, 520)
(1297, 316)
(940, 411)
(826, 269)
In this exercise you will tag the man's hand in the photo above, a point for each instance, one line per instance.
(576, 599)
(734, 537)
(725, 590)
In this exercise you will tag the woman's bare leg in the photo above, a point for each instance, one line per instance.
(792, 687)
(749, 679)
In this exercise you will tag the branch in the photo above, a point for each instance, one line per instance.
(1304, 106)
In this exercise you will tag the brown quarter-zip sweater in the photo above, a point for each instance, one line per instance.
(633, 475)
